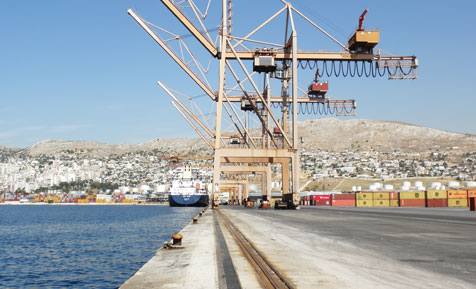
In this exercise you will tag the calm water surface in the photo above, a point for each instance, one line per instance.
(82, 246)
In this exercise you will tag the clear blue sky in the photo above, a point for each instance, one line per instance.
(84, 70)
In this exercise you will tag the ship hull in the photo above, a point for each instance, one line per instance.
(188, 201)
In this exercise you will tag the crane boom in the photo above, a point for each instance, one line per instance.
(177, 59)
(198, 35)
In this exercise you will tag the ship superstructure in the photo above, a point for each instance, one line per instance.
(189, 188)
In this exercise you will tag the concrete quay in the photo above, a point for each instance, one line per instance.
(319, 247)
(192, 266)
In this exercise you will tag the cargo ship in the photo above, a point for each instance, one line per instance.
(188, 190)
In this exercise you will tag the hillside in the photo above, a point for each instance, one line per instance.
(361, 134)
(96, 149)
(318, 134)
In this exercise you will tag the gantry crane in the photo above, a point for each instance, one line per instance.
(276, 140)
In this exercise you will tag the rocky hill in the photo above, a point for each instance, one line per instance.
(361, 134)
(5, 152)
(318, 134)
(96, 149)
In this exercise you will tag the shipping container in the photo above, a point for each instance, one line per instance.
(394, 196)
(322, 202)
(394, 203)
(471, 193)
(274, 200)
(412, 202)
(321, 197)
(412, 196)
(343, 203)
(343, 196)
(431, 203)
(457, 202)
(381, 203)
(458, 194)
(436, 194)
(364, 196)
(381, 196)
(364, 203)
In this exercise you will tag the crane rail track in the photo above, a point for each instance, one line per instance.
(268, 275)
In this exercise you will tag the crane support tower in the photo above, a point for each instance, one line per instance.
(263, 135)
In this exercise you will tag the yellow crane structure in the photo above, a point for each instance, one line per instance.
(246, 93)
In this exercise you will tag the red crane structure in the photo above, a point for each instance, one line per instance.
(361, 19)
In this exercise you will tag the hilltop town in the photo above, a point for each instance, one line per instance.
(146, 170)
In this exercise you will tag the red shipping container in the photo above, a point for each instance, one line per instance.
(343, 203)
(321, 197)
(393, 196)
(343, 196)
(437, 203)
(472, 204)
(322, 203)
(412, 203)
(471, 193)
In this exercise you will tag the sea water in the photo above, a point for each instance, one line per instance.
(82, 246)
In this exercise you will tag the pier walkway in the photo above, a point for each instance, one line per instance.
(320, 247)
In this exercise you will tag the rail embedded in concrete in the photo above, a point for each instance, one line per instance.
(268, 274)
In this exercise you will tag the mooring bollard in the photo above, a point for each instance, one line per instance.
(200, 214)
(177, 239)
(195, 220)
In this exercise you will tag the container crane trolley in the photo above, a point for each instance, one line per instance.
(318, 89)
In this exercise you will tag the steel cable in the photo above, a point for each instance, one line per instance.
(394, 72)
(313, 67)
(321, 109)
(350, 110)
(405, 73)
(352, 69)
(378, 69)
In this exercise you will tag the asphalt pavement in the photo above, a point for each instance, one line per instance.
(432, 246)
